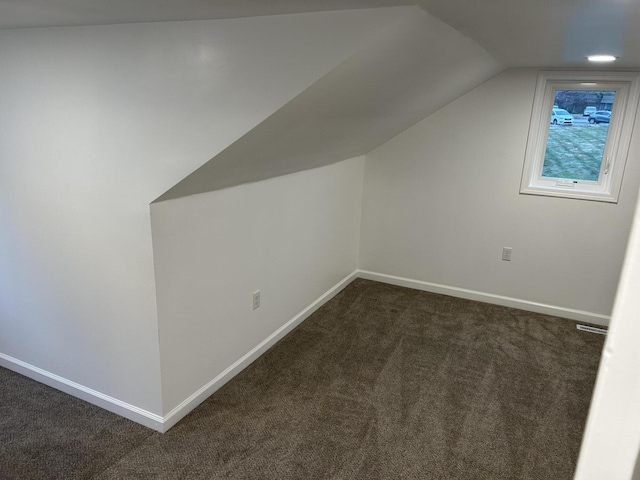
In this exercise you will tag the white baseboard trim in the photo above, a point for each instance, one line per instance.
(179, 412)
(162, 424)
(151, 420)
(579, 315)
(111, 404)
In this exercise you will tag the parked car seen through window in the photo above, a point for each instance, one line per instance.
(601, 116)
(560, 116)
(580, 132)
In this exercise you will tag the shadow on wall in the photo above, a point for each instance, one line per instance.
(375, 94)
(636, 471)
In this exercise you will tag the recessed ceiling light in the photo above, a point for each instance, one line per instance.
(601, 58)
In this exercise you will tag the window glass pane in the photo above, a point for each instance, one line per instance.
(578, 134)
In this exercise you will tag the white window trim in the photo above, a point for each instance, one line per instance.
(607, 188)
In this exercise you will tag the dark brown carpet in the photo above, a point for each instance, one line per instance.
(382, 382)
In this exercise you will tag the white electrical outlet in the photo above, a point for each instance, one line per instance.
(506, 254)
(256, 299)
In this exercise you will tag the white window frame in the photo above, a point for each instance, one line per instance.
(607, 188)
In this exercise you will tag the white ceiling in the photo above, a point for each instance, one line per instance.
(56, 13)
(546, 33)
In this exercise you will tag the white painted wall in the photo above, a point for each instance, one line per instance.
(612, 436)
(96, 122)
(380, 91)
(292, 237)
(442, 199)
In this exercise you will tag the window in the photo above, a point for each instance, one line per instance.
(579, 136)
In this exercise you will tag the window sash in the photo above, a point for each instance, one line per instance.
(607, 187)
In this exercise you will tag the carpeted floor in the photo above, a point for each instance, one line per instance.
(382, 382)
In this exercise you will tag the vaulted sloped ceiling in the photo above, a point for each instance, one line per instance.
(412, 68)
(437, 51)
(547, 33)
(58, 13)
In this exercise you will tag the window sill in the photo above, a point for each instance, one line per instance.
(570, 192)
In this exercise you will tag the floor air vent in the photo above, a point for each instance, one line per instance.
(584, 328)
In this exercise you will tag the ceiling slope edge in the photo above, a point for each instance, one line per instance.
(19, 14)
(404, 74)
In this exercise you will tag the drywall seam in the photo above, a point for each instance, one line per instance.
(179, 412)
(361, 186)
(156, 307)
(111, 404)
(570, 313)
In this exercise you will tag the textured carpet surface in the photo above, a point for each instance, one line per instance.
(382, 382)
